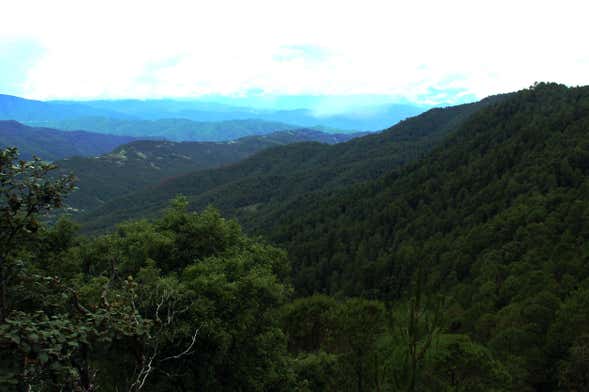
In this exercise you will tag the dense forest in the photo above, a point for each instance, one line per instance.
(264, 186)
(448, 253)
(173, 128)
(134, 166)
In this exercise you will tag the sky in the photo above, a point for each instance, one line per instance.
(404, 51)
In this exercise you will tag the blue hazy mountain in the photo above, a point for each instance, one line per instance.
(339, 113)
(20, 109)
(330, 113)
(52, 144)
(176, 129)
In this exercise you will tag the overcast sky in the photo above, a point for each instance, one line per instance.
(425, 51)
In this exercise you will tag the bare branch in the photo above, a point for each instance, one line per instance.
(185, 352)
(144, 373)
(157, 310)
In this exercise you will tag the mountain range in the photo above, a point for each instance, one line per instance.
(134, 166)
(365, 118)
(447, 252)
(485, 204)
(171, 129)
(71, 114)
(52, 144)
(21, 109)
(263, 186)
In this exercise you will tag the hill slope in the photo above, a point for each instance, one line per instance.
(523, 152)
(497, 218)
(21, 109)
(52, 144)
(171, 129)
(262, 188)
(136, 165)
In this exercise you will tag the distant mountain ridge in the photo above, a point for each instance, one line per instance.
(263, 187)
(21, 109)
(358, 118)
(52, 144)
(141, 163)
(495, 217)
(174, 129)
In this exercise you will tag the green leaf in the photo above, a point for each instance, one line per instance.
(43, 357)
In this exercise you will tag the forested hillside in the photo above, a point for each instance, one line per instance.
(188, 301)
(498, 217)
(133, 166)
(448, 253)
(53, 144)
(171, 129)
(263, 187)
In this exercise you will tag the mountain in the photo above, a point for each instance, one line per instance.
(497, 172)
(172, 116)
(134, 166)
(153, 109)
(262, 187)
(493, 222)
(52, 144)
(20, 109)
(366, 118)
(497, 218)
(171, 129)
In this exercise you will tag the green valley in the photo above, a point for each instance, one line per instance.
(445, 253)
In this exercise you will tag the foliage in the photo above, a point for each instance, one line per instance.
(261, 190)
(497, 216)
(204, 285)
(140, 164)
(185, 300)
(459, 364)
(25, 194)
(464, 271)
(177, 129)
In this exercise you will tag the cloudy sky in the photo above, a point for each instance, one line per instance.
(421, 51)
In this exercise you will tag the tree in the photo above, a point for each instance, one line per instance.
(574, 371)
(418, 326)
(53, 328)
(208, 295)
(310, 323)
(458, 364)
(360, 323)
(26, 193)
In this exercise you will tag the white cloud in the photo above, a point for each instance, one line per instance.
(187, 48)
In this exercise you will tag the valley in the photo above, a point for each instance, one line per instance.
(327, 258)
